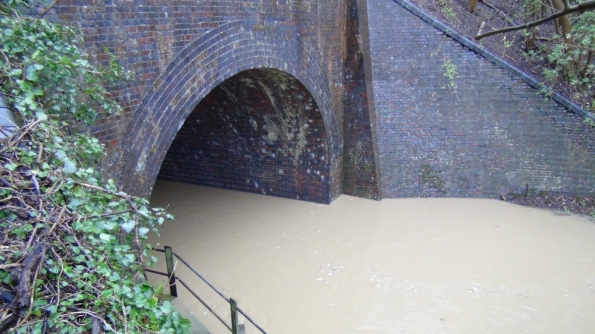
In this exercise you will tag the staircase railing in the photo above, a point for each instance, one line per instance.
(234, 327)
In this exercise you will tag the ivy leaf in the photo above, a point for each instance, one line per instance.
(65, 60)
(128, 259)
(153, 301)
(105, 237)
(79, 192)
(31, 73)
(142, 231)
(23, 85)
(69, 167)
(42, 116)
(16, 72)
(128, 226)
(11, 166)
(52, 309)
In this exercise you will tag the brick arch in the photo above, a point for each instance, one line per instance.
(204, 64)
(259, 131)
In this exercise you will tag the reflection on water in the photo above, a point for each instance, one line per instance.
(394, 266)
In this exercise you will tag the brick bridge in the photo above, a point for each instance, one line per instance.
(310, 99)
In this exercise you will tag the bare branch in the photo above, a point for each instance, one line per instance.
(47, 9)
(569, 10)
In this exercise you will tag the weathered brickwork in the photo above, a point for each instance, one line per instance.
(373, 74)
(483, 134)
(361, 178)
(178, 51)
(259, 131)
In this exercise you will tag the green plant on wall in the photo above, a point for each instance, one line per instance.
(431, 178)
(449, 71)
(73, 245)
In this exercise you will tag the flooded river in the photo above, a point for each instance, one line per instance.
(393, 266)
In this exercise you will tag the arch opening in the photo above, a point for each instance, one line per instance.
(259, 131)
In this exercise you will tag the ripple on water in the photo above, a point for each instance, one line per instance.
(393, 266)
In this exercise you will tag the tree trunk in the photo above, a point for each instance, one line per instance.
(472, 4)
(590, 58)
(563, 22)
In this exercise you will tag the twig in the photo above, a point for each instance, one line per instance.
(57, 219)
(83, 249)
(93, 187)
(21, 212)
(92, 314)
(124, 314)
(6, 183)
(55, 185)
(47, 9)
(59, 275)
(481, 27)
(10, 265)
(25, 283)
(36, 186)
(24, 132)
(498, 11)
(32, 236)
(568, 10)
(109, 214)
(40, 153)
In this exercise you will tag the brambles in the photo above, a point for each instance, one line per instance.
(73, 246)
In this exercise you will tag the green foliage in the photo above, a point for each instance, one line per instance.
(564, 59)
(446, 8)
(574, 62)
(46, 71)
(73, 245)
(431, 178)
(449, 70)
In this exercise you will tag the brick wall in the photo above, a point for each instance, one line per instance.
(488, 133)
(359, 151)
(259, 131)
(393, 124)
(179, 51)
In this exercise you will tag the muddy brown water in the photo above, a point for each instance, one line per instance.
(390, 266)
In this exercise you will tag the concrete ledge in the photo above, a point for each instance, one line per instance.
(492, 57)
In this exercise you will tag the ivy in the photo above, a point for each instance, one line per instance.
(73, 245)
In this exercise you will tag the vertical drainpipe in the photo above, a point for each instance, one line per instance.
(8, 124)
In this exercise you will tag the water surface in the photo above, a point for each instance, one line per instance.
(390, 266)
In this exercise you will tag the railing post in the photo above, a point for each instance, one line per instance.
(234, 316)
(169, 261)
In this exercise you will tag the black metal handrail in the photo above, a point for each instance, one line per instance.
(235, 327)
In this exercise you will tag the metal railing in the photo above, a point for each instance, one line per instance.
(234, 327)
